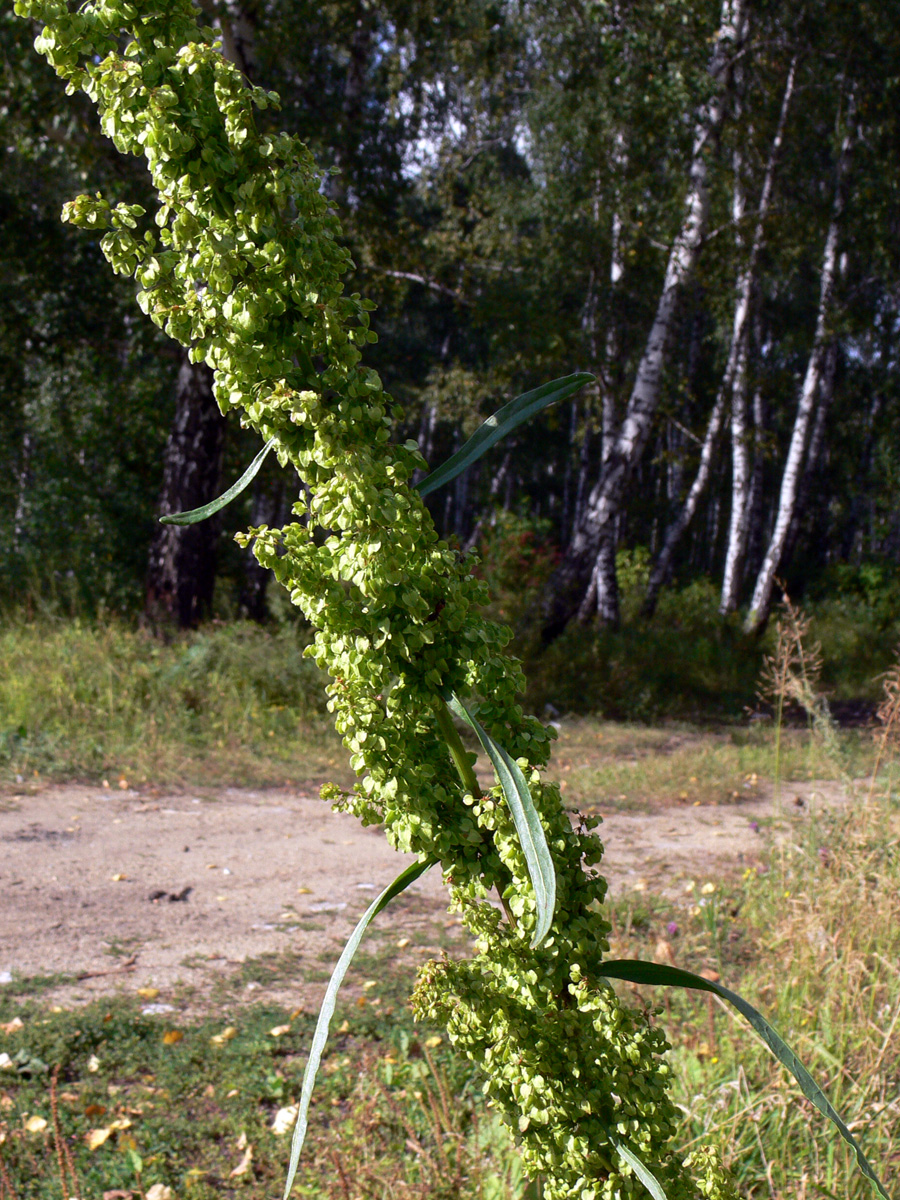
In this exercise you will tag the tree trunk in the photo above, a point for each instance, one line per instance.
(181, 573)
(734, 379)
(585, 582)
(761, 603)
(182, 566)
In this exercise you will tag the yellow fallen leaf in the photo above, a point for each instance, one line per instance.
(93, 1064)
(403, 943)
(160, 1191)
(96, 1137)
(171, 1036)
(148, 993)
(119, 877)
(219, 1039)
(302, 891)
(279, 1030)
(285, 1119)
(369, 984)
(344, 1027)
(433, 1042)
(244, 1165)
(12, 1026)
(121, 1123)
(241, 1143)
(36, 1124)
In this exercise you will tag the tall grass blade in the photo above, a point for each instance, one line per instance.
(193, 515)
(527, 822)
(326, 1012)
(644, 1174)
(639, 971)
(502, 422)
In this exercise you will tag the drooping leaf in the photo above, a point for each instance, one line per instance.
(502, 422)
(644, 1174)
(526, 819)
(326, 1012)
(200, 514)
(639, 971)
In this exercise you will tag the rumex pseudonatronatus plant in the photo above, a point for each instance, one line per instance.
(241, 262)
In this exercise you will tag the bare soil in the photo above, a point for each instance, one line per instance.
(124, 889)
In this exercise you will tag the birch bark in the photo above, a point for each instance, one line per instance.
(761, 603)
(586, 582)
(734, 378)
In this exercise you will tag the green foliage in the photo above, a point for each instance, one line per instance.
(241, 262)
(235, 703)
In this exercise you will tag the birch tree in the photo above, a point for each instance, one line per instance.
(761, 602)
(586, 580)
(734, 378)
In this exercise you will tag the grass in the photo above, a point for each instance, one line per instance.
(148, 1101)
(813, 940)
(231, 704)
(611, 765)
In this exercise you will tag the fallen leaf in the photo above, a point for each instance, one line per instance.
(171, 1036)
(664, 952)
(69, 1097)
(710, 974)
(12, 1026)
(95, 1110)
(403, 943)
(241, 1143)
(369, 984)
(117, 1194)
(285, 1119)
(148, 993)
(123, 783)
(121, 1123)
(344, 1027)
(279, 1030)
(244, 1165)
(93, 1064)
(119, 877)
(6, 1101)
(96, 1137)
(433, 1042)
(160, 1191)
(36, 1124)
(302, 891)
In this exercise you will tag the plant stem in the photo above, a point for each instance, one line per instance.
(462, 762)
(457, 750)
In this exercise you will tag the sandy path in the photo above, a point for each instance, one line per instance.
(79, 867)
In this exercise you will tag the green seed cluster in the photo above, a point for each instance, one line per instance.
(241, 262)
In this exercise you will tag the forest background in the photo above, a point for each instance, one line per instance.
(696, 202)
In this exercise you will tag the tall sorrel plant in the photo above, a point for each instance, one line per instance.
(241, 262)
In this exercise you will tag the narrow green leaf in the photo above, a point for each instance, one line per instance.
(644, 1174)
(503, 421)
(527, 822)
(326, 1012)
(639, 971)
(200, 514)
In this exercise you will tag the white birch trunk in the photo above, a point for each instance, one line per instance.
(761, 602)
(596, 533)
(740, 450)
(735, 374)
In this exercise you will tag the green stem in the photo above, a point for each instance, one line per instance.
(462, 762)
(458, 752)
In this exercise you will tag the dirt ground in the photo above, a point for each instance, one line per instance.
(125, 889)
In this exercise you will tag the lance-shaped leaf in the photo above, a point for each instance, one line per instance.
(503, 421)
(326, 1012)
(527, 822)
(644, 1174)
(639, 971)
(200, 514)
